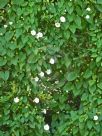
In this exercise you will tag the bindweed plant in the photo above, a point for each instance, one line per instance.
(51, 68)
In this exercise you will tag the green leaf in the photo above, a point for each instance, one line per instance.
(14, 61)
(78, 21)
(52, 8)
(98, 59)
(70, 10)
(89, 125)
(17, 132)
(88, 73)
(75, 130)
(99, 101)
(92, 89)
(99, 1)
(67, 61)
(72, 28)
(18, 2)
(71, 76)
(100, 85)
(25, 99)
(8, 36)
(99, 7)
(12, 46)
(68, 86)
(84, 97)
(4, 75)
(70, 18)
(67, 34)
(2, 61)
(3, 3)
(74, 115)
(18, 33)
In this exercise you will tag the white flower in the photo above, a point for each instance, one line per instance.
(41, 74)
(52, 61)
(56, 82)
(57, 24)
(44, 111)
(16, 100)
(33, 32)
(46, 127)
(36, 79)
(5, 26)
(57, 112)
(10, 23)
(36, 100)
(88, 9)
(87, 16)
(95, 117)
(62, 19)
(65, 10)
(48, 71)
(1, 33)
(39, 35)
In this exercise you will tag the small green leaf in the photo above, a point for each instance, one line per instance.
(71, 76)
(72, 28)
(100, 85)
(89, 125)
(12, 46)
(8, 36)
(18, 2)
(70, 10)
(18, 33)
(99, 7)
(98, 59)
(67, 35)
(88, 73)
(84, 97)
(99, 1)
(2, 61)
(70, 18)
(67, 61)
(4, 75)
(17, 132)
(78, 21)
(14, 60)
(3, 3)
(75, 130)
(92, 89)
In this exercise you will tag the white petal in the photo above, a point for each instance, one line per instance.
(87, 16)
(36, 100)
(95, 117)
(5, 26)
(16, 99)
(39, 35)
(57, 24)
(33, 32)
(10, 23)
(41, 74)
(44, 111)
(88, 9)
(46, 127)
(36, 79)
(48, 71)
(52, 61)
(62, 19)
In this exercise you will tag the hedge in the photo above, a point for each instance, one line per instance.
(51, 68)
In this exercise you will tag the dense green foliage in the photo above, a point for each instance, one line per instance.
(51, 67)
